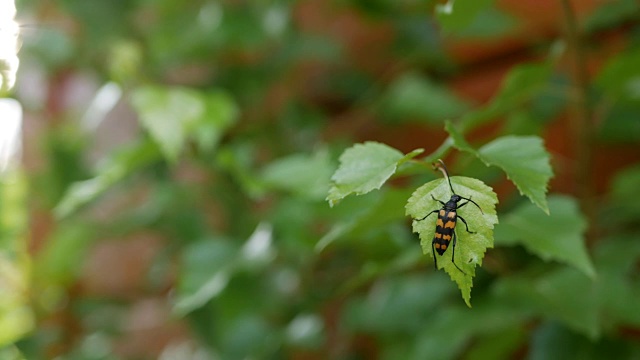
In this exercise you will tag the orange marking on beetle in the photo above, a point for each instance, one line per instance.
(446, 237)
(444, 246)
(439, 223)
(451, 215)
(442, 212)
(437, 246)
(438, 236)
(450, 224)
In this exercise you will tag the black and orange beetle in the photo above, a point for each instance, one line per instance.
(447, 218)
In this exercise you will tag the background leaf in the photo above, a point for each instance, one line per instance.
(221, 112)
(458, 141)
(470, 248)
(565, 294)
(207, 267)
(619, 78)
(16, 317)
(458, 14)
(522, 84)
(59, 259)
(584, 304)
(200, 208)
(172, 115)
(414, 97)
(113, 170)
(624, 187)
(305, 175)
(168, 113)
(557, 237)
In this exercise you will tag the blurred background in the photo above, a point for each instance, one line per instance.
(165, 166)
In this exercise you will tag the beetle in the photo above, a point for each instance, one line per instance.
(447, 219)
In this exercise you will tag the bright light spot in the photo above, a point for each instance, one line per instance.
(96, 345)
(184, 351)
(210, 16)
(446, 9)
(206, 292)
(9, 31)
(304, 327)
(104, 101)
(275, 20)
(557, 49)
(287, 281)
(258, 247)
(633, 87)
(10, 133)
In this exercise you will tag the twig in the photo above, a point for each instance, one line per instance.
(581, 121)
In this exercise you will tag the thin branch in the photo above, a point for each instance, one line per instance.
(582, 123)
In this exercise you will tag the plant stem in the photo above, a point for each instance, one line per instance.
(581, 121)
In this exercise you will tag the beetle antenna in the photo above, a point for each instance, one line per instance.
(440, 166)
(474, 203)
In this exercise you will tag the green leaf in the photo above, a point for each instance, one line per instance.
(221, 113)
(620, 78)
(305, 175)
(617, 284)
(571, 297)
(586, 305)
(16, 317)
(167, 114)
(558, 237)
(459, 14)
(498, 345)
(620, 124)
(238, 160)
(365, 167)
(386, 207)
(611, 14)
(458, 140)
(470, 248)
(565, 295)
(115, 169)
(173, 115)
(248, 336)
(623, 188)
(523, 158)
(452, 328)
(523, 83)
(415, 97)
(526, 163)
(58, 261)
(11, 353)
(489, 23)
(408, 302)
(206, 269)
(551, 340)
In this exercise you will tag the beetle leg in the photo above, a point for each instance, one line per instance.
(453, 252)
(465, 224)
(435, 261)
(433, 212)
(434, 199)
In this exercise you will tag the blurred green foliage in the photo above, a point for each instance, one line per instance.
(243, 109)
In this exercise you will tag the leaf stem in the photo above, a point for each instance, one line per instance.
(581, 120)
(440, 152)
